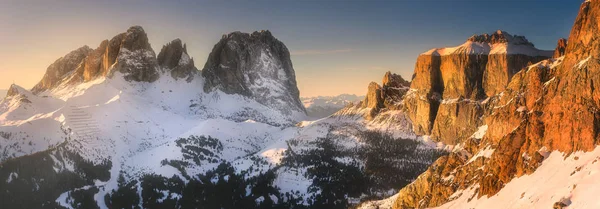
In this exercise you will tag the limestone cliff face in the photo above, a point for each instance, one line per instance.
(422, 102)
(514, 135)
(129, 53)
(461, 75)
(551, 105)
(449, 82)
(502, 67)
(575, 96)
(254, 65)
(457, 119)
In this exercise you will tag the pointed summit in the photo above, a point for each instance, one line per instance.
(174, 58)
(15, 90)
(254, 65)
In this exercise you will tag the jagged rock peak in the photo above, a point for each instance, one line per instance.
(255, 65)
(561, 46)
(136, 39)
(174, 57)
(18, 92)
(392, 79)
(129, 53)
(136, 59)
(61, 68)
(389, 96)
(14, 90)
(500, 37)
(583, 42)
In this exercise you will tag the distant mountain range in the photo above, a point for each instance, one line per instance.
(323, 106)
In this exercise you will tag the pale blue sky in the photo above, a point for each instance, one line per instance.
(337, 46)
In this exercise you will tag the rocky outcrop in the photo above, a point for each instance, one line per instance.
(386, 97)
(551, 105)
(254, 65)
(19, 93)
(448, 82)
(373, 99)
(561, 46)
(175, 59)
(394, 87)
(62, 68)
(13, 90)
(129, 53)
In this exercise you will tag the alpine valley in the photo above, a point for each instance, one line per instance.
(491, 123)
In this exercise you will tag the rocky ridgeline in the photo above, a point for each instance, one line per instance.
(129, 53)
(254, 65)
(551, 105)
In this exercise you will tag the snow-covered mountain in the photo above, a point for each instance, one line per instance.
(119, 127)
(323, 106)
(3, 92)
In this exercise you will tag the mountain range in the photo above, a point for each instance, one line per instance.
(323, 106)
(491, 123)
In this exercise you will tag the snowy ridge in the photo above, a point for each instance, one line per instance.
(499, 42)
(475, 48)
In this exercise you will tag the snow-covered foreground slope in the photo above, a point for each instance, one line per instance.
(572, 180)
(170, 129)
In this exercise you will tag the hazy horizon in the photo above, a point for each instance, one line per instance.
(337, 47)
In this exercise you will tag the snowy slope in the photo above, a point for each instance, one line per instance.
(136, 126)
(571, 179)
